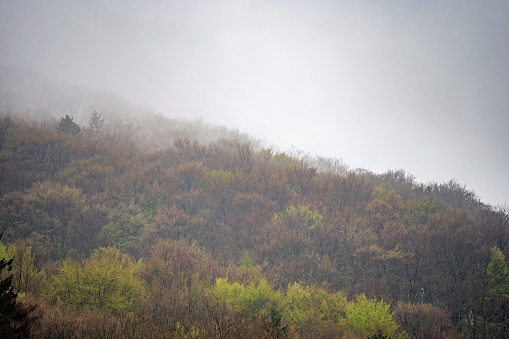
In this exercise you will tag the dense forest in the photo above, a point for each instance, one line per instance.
(135, 228)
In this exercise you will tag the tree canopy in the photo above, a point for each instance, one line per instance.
(68, 126)
(134, 228)
(15, 318)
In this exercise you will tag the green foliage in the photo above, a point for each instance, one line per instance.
(3, 250)
(106, 281)
(248, 273)
(125, 224)
(62, 216)
(256, 299)
(368, 317)
(247, 263)
(27, 277)
(385, 205)
(281, 158)
(219, 178)
(87, 174)
(384, 195)
(383, 235)
(276, 325)
(417, 211)
(15, 319)
(68, 126)
(498, 273)
(188, 333)
(301, 217)
(312, 309)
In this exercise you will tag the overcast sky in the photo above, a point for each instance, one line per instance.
(416, 85)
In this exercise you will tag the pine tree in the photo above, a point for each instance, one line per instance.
(96, 123)
(15, 318)
(68, 126)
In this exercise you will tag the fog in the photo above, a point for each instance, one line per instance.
(419, 86)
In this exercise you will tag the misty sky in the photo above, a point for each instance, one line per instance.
(417, 85)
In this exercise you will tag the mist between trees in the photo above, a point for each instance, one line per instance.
(133, 228)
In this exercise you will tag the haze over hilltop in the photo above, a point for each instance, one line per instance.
(421, 87)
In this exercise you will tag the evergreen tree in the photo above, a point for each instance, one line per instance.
(6, 124)
(14, 317)
(68, 126)
(96, 123)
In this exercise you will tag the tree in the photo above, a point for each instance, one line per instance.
(498, 274)
(291, 234)
(96, 123)
(68, 126)
(239, 310)
(6, 124)
(15, 318)
(276, 330)
(107, 281)
(64, 218)
(312, 311)
(125, 224)
(258, 298)
(300, 177)
(34, 152)
(28, 273)
(421, 320)
(221, 185)
(370, 317)
(176, 275)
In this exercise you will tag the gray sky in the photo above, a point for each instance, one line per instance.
(417, 85)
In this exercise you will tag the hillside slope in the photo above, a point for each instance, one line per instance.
(230, 208)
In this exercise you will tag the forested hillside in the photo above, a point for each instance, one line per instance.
(135, 228)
